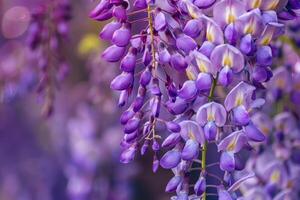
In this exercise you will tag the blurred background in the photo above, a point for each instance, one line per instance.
(72, 153)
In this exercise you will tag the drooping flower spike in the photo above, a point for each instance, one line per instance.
(201, 69)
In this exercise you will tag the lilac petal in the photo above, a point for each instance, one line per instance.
(190, 150)
(281, 80)
(140, 4)
(127, 115)
(250, 23)
(271, 4)
(269, 16)
(247, 45)
(227, 162)
(204, 4)
(129, 138)
(173, 184)
(177, 107)
(191, 130)
(204, 82)
(260, 74)
(123, 98)
(145, 78)
(227, 55)
(241, 94)
(138, 103)
(178, 62)
(173, 126)
(204, 64)
(164, 56)
(233, 142)
(136, 42)
(186, 43)
(191, 9)
(214, 33)
(109, 29)
(210, 131)
(145, 146)
(211, 112)
(128, 62)
(193, 28)
(171, 140)
(227, 11)
(206, 48)
(103, 5)
(155, 164)
(254, 134)
(188, 90)
(171, 159)
(241, 116)
(121, 37)
(120, 13)
(200, 186)
(155, 106)
(113, 53)
(224, 195)
(128, 155)
(147, 57)
(264, 56)
(225, 76)
(287, 15)
(231, 35)
(166, 6)
(240, 181)
(122, 82)
(160, 21)
(132, 125)
(104, 15)
(262, 122)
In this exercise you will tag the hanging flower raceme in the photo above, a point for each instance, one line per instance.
(48, 29)
(199, 69)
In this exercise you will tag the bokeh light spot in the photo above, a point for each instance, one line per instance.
(15, 21)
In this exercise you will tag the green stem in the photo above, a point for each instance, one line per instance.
(204, 148)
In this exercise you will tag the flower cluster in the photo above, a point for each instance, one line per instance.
(46, 33)
(200, 69)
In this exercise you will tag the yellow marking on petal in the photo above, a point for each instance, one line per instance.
(227, 59)
(193, 12)
(273, 5)
(266, 40)
(190, 75)
(232, 144)
(230, 16)
(210, 114)
(202, 66)
(256, 3)
(275, 176)
(210, 33)
(239, 99)
(191, 135)
(210, 117)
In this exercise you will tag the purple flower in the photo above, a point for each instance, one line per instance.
(171, 159)
(227, 59)
(240, 101)
(211, 116)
